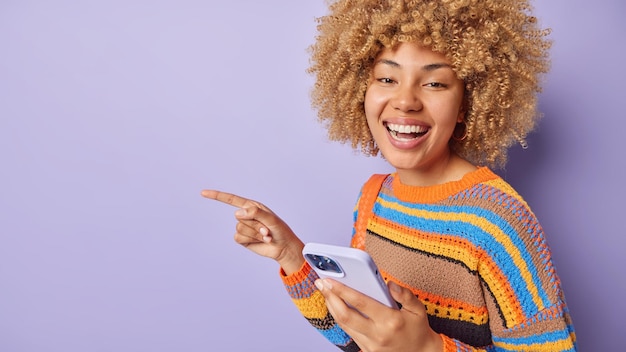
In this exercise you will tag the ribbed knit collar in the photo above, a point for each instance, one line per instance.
(428, 194)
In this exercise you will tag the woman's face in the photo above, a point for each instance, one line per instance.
(412, 104)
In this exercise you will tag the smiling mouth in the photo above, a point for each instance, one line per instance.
(404, 133)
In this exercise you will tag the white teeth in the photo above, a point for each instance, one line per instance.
(406, 128)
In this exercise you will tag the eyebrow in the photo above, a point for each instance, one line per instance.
(429, 67)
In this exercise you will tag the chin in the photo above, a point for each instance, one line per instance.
(402, 163)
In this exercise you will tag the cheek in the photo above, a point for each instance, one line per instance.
(450, 111)
(372, 106)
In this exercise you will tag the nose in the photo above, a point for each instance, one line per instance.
(406, 98)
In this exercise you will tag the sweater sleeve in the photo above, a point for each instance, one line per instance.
(524, 298)
(310, 302)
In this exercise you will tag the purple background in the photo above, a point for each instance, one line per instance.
(115, 114)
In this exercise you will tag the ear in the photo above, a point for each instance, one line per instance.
(461, 115)
(462, 109)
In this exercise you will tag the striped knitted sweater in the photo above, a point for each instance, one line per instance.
(472, 251)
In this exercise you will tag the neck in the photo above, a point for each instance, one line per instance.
(450, 168)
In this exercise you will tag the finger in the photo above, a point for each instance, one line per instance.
(264, 217)
(360, 301)
(254, 230)
(227, 198)
(344, 303)
(253, 216)
(406, 298)
(245, 240)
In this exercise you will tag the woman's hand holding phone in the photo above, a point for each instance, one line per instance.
(364, 306)
(376, 327)
(263, 232)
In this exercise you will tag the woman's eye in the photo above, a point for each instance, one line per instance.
(385, 80)
(436, 85)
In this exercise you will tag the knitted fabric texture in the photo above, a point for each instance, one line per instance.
(471, 250)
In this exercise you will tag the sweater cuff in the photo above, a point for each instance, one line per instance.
(296, 277)
(449, 345)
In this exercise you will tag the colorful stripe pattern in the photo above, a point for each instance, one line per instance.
(474, 254)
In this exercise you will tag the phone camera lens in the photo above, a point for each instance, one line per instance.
(324, 263)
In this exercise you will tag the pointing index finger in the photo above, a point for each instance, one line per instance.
(228, 198)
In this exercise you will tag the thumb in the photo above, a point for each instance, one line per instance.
(406, 299)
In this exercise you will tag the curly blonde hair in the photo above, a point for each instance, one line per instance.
(495, 47)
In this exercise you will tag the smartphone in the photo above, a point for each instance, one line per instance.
(350, 266)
